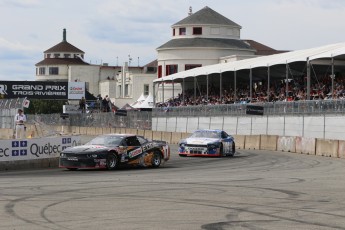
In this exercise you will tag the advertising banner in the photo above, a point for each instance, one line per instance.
(255, 110)
(42, 90)
(76, 90)
(31, 149)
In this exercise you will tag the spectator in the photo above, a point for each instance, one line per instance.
(82, 104)
(20, 119)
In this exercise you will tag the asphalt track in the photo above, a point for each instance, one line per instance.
(253, 190)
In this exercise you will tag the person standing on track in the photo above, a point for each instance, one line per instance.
(20, 120)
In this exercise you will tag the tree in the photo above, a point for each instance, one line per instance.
(45, 106)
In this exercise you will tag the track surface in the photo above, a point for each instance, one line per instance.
(253, 190)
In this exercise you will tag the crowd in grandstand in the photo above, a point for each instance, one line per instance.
(321, 88)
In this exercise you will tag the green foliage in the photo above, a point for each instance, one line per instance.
(45, 106)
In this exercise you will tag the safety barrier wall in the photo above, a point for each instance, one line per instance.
(302, 145)
(34, 152)
(309, 126)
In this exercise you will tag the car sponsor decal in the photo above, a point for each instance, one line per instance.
(134, 153)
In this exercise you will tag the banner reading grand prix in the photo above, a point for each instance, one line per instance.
(42, 90)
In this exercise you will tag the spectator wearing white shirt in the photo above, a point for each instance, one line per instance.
(20, 120)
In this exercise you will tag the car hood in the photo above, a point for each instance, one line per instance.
(201, 140)
(86, 149)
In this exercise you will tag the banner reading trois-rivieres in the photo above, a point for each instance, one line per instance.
(42, 90)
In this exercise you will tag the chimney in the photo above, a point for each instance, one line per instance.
(64, 36)
(190, 11)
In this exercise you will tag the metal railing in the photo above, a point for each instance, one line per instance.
(270, 108)
(134, 119)
(143, 119)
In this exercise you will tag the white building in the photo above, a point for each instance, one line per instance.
(123, 84)
(203, 38)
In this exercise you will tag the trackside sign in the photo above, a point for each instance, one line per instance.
(42, 90)
(30, 149)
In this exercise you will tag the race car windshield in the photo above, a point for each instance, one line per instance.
(207, 134)
(106, 140)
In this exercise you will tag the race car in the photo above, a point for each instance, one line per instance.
(111, 150)
(207, 142)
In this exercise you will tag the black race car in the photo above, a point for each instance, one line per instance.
(111, 150)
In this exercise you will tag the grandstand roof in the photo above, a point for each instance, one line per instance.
(337, 51)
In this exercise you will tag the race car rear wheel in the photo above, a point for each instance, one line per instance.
(112, 161)
(156, 159)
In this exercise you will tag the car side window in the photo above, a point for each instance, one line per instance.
(142, 140)
(224, 135)
(132, 141)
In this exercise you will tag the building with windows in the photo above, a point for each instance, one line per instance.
(203, 38)
(123, 84)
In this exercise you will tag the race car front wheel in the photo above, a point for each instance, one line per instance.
(156, 159)
(112, 161)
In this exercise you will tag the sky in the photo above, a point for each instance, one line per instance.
(111, 31)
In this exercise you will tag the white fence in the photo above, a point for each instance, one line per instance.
(323, 126)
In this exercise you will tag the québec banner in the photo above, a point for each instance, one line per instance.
(37, 148)
(42, 90)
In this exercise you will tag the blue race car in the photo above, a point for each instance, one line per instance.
(207, 142)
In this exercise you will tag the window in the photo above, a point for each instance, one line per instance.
(197, 30)
(119, 91)
(126, 90)
(159, 71)
(171, 69)
(42, 71)
(173, 32)
(53, 71)
(146, 89)
(48, 55)
(56, 55)
(67, 55)
(182, 31)
(191, 66)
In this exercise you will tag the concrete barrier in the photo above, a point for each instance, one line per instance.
(34, 152)
(286, 144)
(268, 142)
(114, 130)
(305, 145)
(239, 141)
(6, 133)
(98, 130)
(82, 130)
(176, 137)
(156, 135)
(91, 131)
(141, 132)
(75, 129)
(328, 148)
(166, 136)
(341, 149)
(29, 164)
(252, 142)
(132, 131)
(185, 135)
(106, 130)
(149, 134)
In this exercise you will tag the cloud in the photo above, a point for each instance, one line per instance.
(20, 3)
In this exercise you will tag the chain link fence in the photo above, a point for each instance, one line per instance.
(8, 109)
(134, 119)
